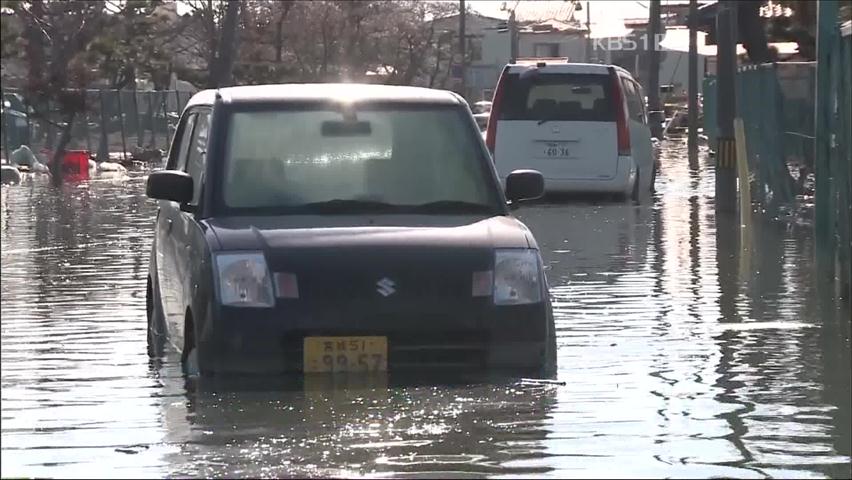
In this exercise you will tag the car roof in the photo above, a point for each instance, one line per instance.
(564, 67)
(317, 92)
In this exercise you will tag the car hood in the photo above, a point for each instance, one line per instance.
(344, 260)
(360, 232)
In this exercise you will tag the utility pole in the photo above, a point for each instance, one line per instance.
(462, 45)
(655, 117)
(513, 37)
(588, 33)
(726, 65)
(693, 84)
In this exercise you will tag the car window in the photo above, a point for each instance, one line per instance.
(634, 102)
(178, 161)
(640, 98)
(198, 154)
(557, 96)
(395, 155)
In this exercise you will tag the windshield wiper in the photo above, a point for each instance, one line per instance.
(452, 206)
(339, 205)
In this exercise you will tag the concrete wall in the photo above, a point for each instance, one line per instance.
(496, 50)
(570, 45)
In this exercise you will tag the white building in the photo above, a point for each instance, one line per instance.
(489, 49)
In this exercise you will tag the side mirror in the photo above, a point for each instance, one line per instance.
(524, 185)
(170, 185)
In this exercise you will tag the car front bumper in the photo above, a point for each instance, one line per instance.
(240, 340)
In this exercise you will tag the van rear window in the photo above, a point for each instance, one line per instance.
(557, 96)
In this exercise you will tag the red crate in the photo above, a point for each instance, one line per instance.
(76, 162)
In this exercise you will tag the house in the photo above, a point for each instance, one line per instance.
(553, 38)
(489, 49)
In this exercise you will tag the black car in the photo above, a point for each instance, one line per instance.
(341, 227)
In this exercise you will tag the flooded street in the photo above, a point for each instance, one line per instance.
(679, 359)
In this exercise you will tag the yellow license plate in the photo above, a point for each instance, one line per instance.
(345, 354)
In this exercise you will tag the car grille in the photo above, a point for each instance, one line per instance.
(410, 350)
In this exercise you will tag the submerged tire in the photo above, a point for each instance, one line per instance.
(653, 188)
(190, 363)
(156, 323)
(190, 357)
(548, 368)
(634, 196)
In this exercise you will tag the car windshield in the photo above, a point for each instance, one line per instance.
(321, 160)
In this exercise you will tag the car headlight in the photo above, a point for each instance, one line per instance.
(517, 276)
(244, 280)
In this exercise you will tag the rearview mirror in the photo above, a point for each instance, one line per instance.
(524, 185)
(170, 185)
(346, 129)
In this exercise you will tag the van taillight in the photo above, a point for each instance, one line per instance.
(491, 130)
(622, 129)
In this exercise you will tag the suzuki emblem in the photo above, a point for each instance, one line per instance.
(386, 287)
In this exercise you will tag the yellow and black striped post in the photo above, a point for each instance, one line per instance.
(726, 174)
(726, 107)
(726, 153)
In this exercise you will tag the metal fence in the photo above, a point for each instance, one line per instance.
(776, 103)
(779, 107)
(833, 199)
(113, 121)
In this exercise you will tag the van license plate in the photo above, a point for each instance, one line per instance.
(345, 354)
(553, 150)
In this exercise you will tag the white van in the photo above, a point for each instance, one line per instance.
(583, 126)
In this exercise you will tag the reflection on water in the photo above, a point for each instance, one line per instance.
(679, 357)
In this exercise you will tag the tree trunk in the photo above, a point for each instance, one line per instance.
(279, 29)
(59, 153)
(434, 75)
(35, 44)
(279, 38)
(213, 35)
(221, 71)
(324, 63)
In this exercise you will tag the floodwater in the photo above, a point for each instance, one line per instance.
(680, 359)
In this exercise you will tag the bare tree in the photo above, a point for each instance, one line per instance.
(222, 67)
(58, 33)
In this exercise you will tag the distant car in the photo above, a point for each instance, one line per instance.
(482, 106)
(584, 126)
(481, 111)
(482, 120)
(326, 228)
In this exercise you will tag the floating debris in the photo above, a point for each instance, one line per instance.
(541, 381)
(10, 174)
(132, 449)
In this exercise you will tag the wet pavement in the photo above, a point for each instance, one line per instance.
(680, 359)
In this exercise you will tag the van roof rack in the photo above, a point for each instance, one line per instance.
(538, 60)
